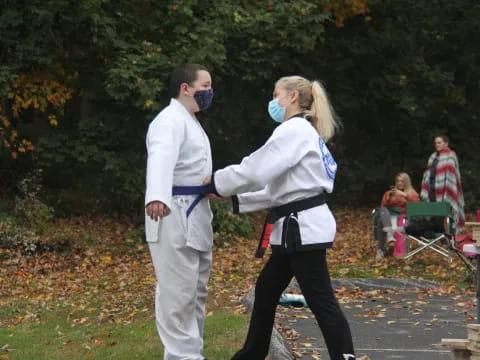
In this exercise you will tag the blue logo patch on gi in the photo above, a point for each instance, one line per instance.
(328, 160)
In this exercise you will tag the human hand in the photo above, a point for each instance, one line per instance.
(398, 192)
(215, 197)
(207, 180)
(391, 192)
(156, 210)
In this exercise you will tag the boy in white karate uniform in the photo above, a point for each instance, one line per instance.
(178, 218)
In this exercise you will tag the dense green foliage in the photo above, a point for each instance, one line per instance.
(229, 227)
(397, 77)
(27, 230)
(409, 74)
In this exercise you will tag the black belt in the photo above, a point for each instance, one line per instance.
(281, 211)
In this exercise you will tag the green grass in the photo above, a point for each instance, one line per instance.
(350, 271)
(224, 334)
(52, 337)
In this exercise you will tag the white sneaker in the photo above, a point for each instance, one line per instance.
(380, 254)
(390, 239)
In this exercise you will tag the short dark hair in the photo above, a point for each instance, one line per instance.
(443, 137)
(183, 74)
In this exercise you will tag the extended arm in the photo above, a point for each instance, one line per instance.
(163, 146)
(281, 152)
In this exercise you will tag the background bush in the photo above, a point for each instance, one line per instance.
(28, 229)
(228, 227)
(81, 80)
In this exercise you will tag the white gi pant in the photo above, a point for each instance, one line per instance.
(182, 274)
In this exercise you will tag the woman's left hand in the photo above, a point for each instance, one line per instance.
(397, 192)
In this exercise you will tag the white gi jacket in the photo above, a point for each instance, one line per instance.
(178, 154)
(293, 164)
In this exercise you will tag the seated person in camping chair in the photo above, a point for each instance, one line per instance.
(392, 205)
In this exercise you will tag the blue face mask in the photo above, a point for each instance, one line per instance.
(203, 98)
(276, 112)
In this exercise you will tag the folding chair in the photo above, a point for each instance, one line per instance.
(437, 237)
(416, 210)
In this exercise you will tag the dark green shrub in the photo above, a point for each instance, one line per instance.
(28, 229)
(227, 227)
(29, 211)
(17, 237)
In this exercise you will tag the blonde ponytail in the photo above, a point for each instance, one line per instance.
(313, 100)
(321, 113)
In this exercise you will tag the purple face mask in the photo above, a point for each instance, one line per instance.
(203, 98)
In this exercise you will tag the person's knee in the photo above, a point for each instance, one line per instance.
(324, 303)
(266, 298)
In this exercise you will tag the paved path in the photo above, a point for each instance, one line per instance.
(387, 325)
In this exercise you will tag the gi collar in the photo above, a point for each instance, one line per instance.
(302, 115)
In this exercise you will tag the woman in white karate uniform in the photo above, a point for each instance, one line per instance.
(290, 175)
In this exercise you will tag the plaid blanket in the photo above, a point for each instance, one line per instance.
(448, 185)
